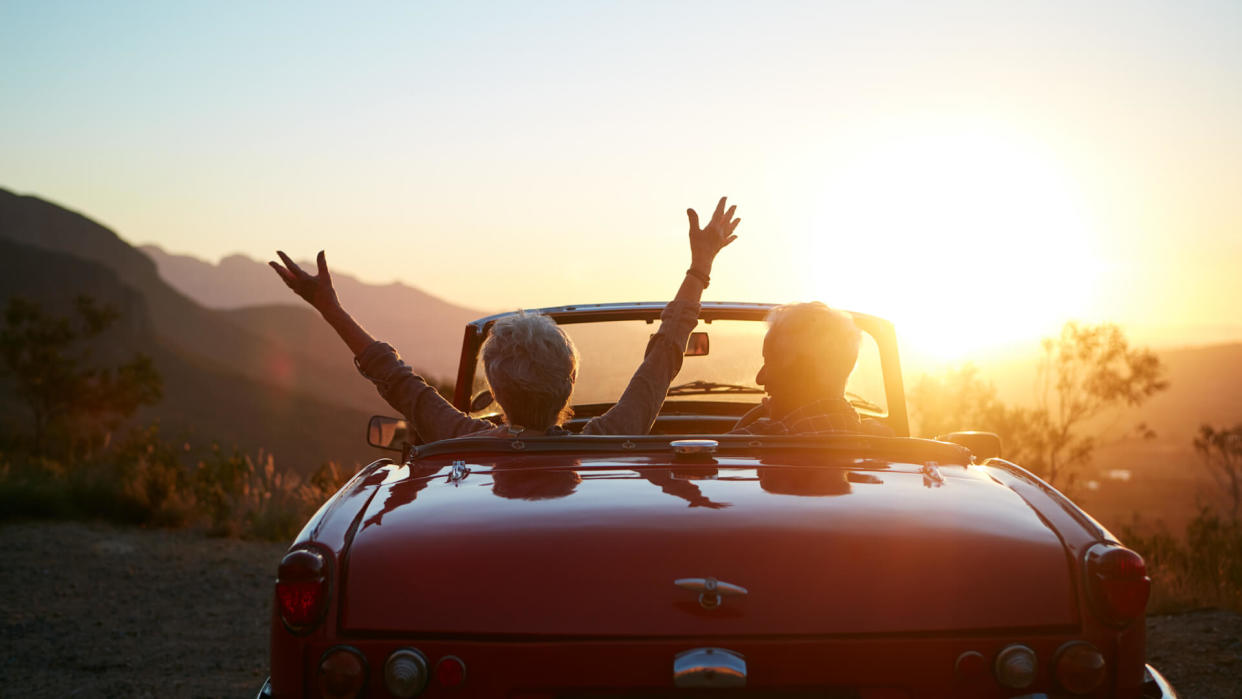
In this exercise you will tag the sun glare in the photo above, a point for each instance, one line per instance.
(967, 240)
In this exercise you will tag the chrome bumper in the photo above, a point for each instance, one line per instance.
(1156, 687)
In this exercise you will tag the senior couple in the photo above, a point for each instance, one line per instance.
(531, 364)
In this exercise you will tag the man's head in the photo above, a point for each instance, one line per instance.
(808, 354)
(531, 366)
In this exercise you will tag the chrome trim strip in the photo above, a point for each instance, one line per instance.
(1153, 681)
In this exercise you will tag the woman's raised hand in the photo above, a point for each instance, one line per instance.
(706, 242)
(316, 290)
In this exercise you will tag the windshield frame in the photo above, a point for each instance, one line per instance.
(880, 330)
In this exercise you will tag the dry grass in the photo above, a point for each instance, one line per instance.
(148, 481)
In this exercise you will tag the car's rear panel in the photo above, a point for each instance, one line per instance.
(863, 579)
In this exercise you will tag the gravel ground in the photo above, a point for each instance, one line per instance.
(1199, 652)
(94, 610)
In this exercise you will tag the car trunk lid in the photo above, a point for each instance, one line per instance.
(599, 549)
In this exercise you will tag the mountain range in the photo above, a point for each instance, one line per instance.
(266, 376)
(426, 329)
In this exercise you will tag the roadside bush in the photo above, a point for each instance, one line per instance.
(141, 480)
(250, 498)
(1202, 568)
(32, 488)
(279, 504)
(147, 480)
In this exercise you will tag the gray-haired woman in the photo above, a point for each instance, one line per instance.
(529, 362)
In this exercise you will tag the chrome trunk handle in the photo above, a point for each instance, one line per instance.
(711, 591)
(709, 668)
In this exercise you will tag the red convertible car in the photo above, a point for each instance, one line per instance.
(690, 563)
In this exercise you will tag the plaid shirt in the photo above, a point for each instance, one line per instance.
(828, 416)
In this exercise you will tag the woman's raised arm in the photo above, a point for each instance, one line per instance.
(318, 292)
(636, 410)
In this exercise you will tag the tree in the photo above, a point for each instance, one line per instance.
(50, 360)
(1221, 451)
(1084, 373)
(960, 399)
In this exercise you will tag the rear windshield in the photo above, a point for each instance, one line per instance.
(611, 351)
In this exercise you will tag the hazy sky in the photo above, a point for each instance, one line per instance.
(976, 171)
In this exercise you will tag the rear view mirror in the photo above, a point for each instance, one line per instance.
(984, 445)
(698, 345)
(388, 433)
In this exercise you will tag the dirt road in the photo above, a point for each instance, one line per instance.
(94, 610)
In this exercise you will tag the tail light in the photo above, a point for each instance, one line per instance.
(1016, 666)
(1080, 667)
(342, 673)
(405, 673)
(971, 670)
(302, 590)
(451, 671)
(1117, 583)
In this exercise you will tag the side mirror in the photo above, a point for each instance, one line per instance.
(481, 401)
(984, 445)
(388, 433)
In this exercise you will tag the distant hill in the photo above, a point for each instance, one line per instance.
(1168, 480)
(1205, 385)
(202, 403)
(426, 329)
(208, 337)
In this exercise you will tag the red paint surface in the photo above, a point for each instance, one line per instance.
(551, 576)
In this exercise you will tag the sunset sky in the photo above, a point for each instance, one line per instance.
(977, 172)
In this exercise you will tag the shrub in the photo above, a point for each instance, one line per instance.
(32, 488)
(145, 480)
(250, 498)
(1203, 568)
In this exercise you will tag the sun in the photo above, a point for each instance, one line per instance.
(968, 239)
